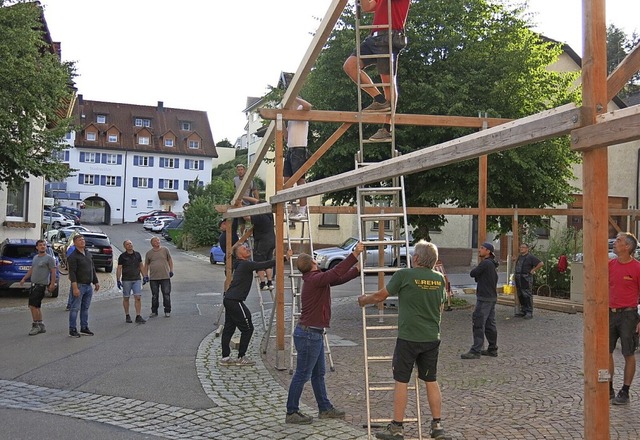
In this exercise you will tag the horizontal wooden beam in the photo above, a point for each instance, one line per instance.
(616, 127)
(380, 118)
(535, 128)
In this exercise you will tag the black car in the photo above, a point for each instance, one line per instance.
(99, 246)
(176, 224)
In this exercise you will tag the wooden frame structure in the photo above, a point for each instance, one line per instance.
(592, 129)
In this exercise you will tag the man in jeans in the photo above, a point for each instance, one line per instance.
(82, 273)
(308, 335)
(128, 275)
(526, 266)
(158, 270)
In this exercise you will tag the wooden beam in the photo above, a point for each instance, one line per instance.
(596, 228)
(613, 128)
(623, 72)
(380, 118)
(544, 125)
(320, 38)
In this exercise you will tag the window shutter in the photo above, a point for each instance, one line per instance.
(185, 185)
(150, 183)
(119, 160)
(186, 164)
(162, 162)
(177, 163)
(104, 158)
(201, 167)
(81, 178)
(81, 157)
(135, 182)
(103, 180)
(161, 183)
(66, 156)
(118, 181)
(135, 160)
(176, 182)
(151, 161)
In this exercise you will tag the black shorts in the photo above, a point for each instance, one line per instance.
(263, 250)
(622, 325)
(422, 354)
(379, 45)
(293, 160)
(36, 294)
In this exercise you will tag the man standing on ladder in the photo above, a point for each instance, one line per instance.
(377, 43)
(421, 293)
(296, 155)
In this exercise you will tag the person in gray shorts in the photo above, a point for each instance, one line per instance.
(43, 276)
(128, 274)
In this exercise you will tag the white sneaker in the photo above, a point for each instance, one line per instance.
(245, 362)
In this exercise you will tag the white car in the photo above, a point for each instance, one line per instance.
(148, 223)
(159, 225)
(64, 233)
(56, 220)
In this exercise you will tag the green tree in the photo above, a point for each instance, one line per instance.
(35, 88)
(464, 56)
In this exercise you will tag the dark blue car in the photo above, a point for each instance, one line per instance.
(16, 255)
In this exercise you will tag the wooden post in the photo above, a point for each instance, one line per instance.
(595, 209)
(482, 194)
(280, 225)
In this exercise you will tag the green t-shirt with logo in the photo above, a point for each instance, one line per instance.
(421, 293)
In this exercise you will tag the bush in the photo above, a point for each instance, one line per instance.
(200, 224)
(566, 243)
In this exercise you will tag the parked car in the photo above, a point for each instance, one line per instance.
(67, 210)
(216, 255)
(16, 256)
(74, 218)
(56, 220)
(149, 222)
(175, 224)
(63, 234)
(328, 258)
(142, 216)
(99, 246)
(159, 225)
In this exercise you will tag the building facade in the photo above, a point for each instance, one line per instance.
(133, 158)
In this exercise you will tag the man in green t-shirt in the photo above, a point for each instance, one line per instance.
(421, 293)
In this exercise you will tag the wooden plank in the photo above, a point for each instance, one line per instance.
(615, 128)
(319, 39)
(544, 125)
(595, 190)
(380, 118)
(623, 72)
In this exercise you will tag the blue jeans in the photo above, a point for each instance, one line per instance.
(309, 365)
(484, 324)
(81, 303)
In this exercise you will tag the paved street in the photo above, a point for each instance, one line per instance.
(161, 379)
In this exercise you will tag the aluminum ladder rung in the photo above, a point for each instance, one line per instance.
(383, 190)
(381, 327)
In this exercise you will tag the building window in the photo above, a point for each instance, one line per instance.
(17, 201)
(143, 140)
(112, 159)
(143, 161)
(143, 182)
(330, 220)
(112, 138)
(101, 119)
(90, 157)
(68, 136)
(168, 142)
(91, 136)
(186, 126)
(134, 203)
(110, 181)
(194, 144)
(193, 165)
(141, 122)
(149, 204)
(89, 179)
(59, 156)
(167, 184)
(169, 162)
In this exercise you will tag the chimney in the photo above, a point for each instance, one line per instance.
(160, 106)
(80, 99)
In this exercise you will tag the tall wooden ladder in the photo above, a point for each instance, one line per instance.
(382, 227)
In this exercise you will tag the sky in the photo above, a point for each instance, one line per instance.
(211, 55)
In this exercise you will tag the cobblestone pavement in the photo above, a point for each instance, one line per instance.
(533, 390)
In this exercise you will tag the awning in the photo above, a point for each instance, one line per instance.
(167, 195)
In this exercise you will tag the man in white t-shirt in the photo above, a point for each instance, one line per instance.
(296, 155)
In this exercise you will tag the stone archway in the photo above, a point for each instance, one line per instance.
(97, 211)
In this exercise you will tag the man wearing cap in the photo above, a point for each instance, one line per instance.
(526, 265)
(484, 315)
(250, 196)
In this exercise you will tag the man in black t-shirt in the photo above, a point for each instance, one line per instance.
(264, 236)
(130, 267)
